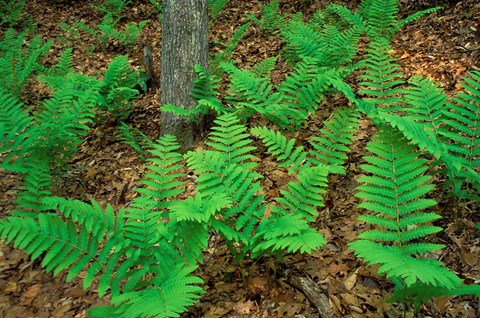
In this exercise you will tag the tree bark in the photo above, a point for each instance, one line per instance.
(184, 44)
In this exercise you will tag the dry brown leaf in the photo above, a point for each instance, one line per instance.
(351, 280)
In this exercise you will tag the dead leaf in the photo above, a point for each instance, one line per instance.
(351, 280)
(30, 294)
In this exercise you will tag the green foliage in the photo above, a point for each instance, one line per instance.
(158, 4)
(20, 59)
(133, 252)
(117, 89)
(226, 53)
(380, 17)
(106, 31)
(331, 41)
(415, 16)
(394, 192)
(215, 7)
(271, 20)
(329, 148)
(462, 137)
(135, 138)
(382, 79)
(113, 7)
(11, 12)
(16, 132)
(227, 171)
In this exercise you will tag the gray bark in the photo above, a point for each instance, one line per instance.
(184, 44)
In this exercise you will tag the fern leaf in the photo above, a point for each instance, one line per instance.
(382, 76)
(278, 145)
(265, 67)
(331, 145)
(162, 182)
(396, 264)
(166, 298)
(230, 138)
(17, 132)
(415, 16)
(461, 134)
(395, 189)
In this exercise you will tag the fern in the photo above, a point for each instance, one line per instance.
(284, 150)
(226, 54)
(215, 7)
(131, 252)
(113, 7)
(20, 61)
(394, 193)
(271, 20)
(462, 132)
(16, 132)
(117, 89)
(380, 17)
(265, 67)
(328, 148)
(254, 96)
(11, 12)
(381, 75)
(328, 45)
(135, 138)
(415, 16)
(225, 172)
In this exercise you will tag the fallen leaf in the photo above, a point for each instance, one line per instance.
(351, 280)
(30, 294)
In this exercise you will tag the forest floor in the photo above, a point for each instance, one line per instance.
(443, 46)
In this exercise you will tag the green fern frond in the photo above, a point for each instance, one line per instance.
(287, 232)
(420, 293)
(418, 133)
(231, 139)
(380, 17)
(426, 100)
(305, 196)
(381, 75)
(327, 45)
(271, 20)
(226, 54)
(62, 246)
(332, 144)
(304, 88)
(228, 170)
(415, 16)
(284, 150)
(337, 14)
(35, 187)
(287, 228)
(215, 7)
(394, 192)
(162, 182)
(410, 270)
(265, 67)
(134, 138)
(166, 298)
(64, 119)
(206, 85)
(64, 64)
(17, 132)
(20, 59)
(462, 135)
(219, 175)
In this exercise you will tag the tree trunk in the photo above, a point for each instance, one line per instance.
(184, 44)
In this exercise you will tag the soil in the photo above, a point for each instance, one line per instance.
(443, 46)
